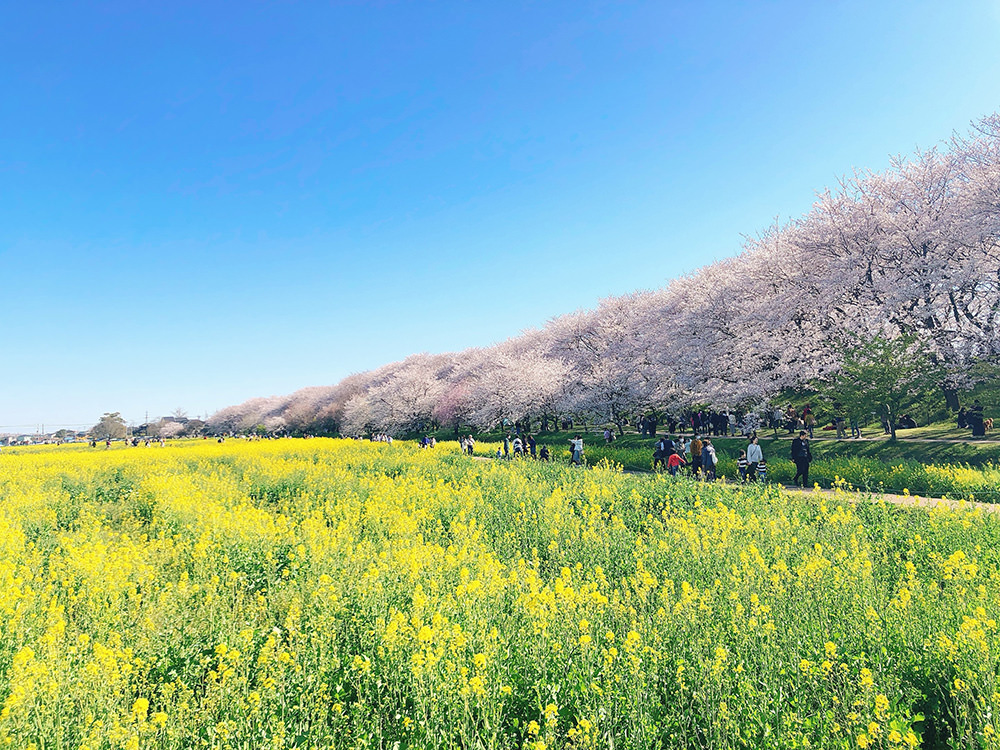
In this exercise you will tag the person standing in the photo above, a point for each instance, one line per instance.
(810, 420)
(762, 471)
(696, 446)
(531, 446)
(977, 420)
(576, 446)
(506, 446)
(660, 453)
(755, 454)
(802, 456)
(838, 420)
(708, 460)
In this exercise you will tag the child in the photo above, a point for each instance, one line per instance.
(762, 471)
(674, 462)
(741, 466)
(499, 454)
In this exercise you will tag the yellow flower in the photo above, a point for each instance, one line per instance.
(881, 704)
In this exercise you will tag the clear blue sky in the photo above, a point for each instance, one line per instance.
(205, 202)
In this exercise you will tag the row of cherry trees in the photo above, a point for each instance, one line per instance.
(912, 251)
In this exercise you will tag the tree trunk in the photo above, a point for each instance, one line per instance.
(892, 422)
(951, 398)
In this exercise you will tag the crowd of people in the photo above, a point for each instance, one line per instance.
(525, 446)
(699, 457)
(731, 423)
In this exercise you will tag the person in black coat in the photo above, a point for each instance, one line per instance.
(802, 456)
(977, 420)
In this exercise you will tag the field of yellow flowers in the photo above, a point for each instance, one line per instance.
(325, 594)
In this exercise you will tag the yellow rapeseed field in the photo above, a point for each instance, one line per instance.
(327, 594)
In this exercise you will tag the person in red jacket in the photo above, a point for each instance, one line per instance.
(674, 462)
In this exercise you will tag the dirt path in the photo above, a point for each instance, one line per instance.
(913, 501)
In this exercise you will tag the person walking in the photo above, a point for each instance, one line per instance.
(802, 456)
(755, 454)
(741, 466)
(674, 462)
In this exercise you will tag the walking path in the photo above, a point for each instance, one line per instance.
(913, 501)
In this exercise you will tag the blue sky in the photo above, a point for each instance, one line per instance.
(206, 202)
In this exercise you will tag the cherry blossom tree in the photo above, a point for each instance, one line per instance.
(909, 252)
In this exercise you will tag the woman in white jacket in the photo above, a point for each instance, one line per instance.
(754, 456)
